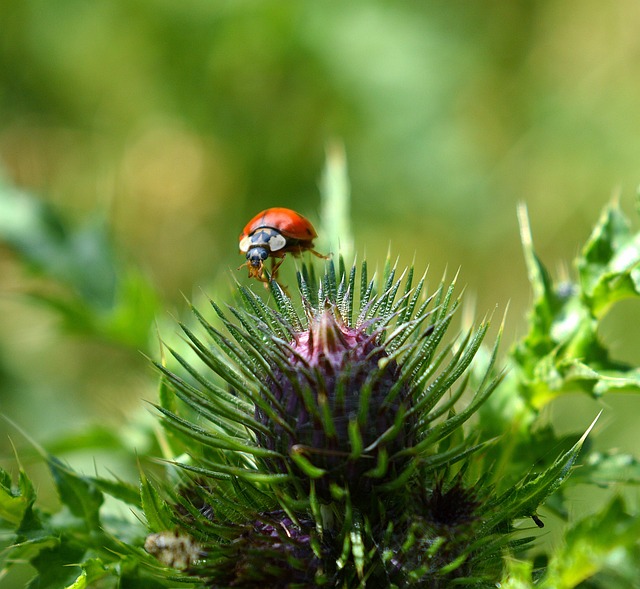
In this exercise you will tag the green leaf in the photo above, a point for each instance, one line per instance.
(562, 351)
(121, 490)
(517, 575)
(605, 544)
(80, 494)
(524, 498)
(57, 566)
(80, 582)
(607, 469)
(93, 570)
(15, 503)
(82, 259)
(94, 437)
(608, 265)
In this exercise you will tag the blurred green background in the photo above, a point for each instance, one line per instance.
(178, 121)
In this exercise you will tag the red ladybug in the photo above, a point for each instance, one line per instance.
(274, 233)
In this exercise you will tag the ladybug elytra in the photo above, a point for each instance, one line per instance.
(274, 233)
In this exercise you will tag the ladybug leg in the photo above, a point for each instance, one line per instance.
(318, 254)
(273, 275)
(261, 275)
(274, 266)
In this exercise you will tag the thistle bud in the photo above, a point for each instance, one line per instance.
(339, 396)
(270, 551)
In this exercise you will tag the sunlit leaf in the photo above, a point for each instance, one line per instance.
(605, 544)
(14, 502)
(562, 350)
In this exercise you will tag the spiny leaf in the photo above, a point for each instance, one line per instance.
(121, 490)
(78, 493)
(219, 440)
(211, 396)
(562, 350)
(218, 470)
(156, 510)
(524, 499)
(14, 503)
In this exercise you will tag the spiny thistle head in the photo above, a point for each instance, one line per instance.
(450, 507)
(340, 391)
(319, 428)
(282, 548)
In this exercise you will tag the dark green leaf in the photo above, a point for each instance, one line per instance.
(78, 493)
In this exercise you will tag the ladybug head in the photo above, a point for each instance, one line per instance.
(255, 260)
(256, 256)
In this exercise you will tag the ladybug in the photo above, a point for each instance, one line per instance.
(272, 234)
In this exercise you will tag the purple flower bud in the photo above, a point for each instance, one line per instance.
(339, 392)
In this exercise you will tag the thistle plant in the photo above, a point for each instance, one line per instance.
(326, 444)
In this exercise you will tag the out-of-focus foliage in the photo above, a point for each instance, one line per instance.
(101, 297)
(184, 119)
